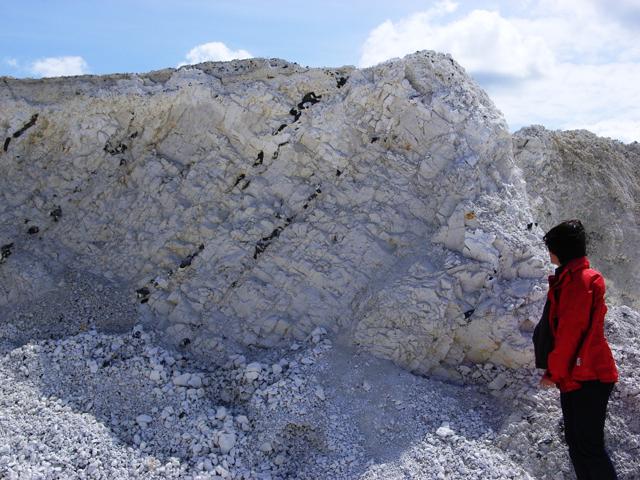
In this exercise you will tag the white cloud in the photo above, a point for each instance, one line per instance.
(213, 52)
(627, 131)
(59, 66)
(598, 98)
(12, 62)
(565, 65)
(482, 41)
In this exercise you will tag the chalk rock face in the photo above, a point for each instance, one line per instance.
(249, 201)
(576, 174)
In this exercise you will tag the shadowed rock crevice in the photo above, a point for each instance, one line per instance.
(26, 126)
(264, 242)
(32, 121)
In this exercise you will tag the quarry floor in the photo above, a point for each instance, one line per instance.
(87, 392)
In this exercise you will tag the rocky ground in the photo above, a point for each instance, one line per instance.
(96, 400)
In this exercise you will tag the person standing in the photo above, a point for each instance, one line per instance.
(580, 362)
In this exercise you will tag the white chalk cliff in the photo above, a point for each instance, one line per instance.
(249, 202)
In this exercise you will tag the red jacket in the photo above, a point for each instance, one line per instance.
(580, 296)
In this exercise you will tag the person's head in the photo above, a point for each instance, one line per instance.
(566, 241)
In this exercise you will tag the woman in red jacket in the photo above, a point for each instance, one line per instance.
(580, 364)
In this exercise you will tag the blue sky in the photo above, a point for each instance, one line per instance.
(562, 63)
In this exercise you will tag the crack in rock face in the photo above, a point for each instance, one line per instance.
(414, 236)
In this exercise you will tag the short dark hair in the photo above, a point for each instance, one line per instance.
(567, 240)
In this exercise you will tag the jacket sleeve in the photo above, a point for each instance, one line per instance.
(573, 314)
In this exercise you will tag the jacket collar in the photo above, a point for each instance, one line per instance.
(572, 265)
(577, 264)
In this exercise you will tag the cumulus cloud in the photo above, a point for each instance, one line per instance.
(601, 98)
(560, 63)
(213, 52)
(59, 66)
(12, 62)
(626, 131)
(482, 41)
(625, 12)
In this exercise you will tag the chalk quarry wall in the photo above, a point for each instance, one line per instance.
(247, 202)
(576, 174)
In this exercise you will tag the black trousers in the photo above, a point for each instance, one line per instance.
(584, 412)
